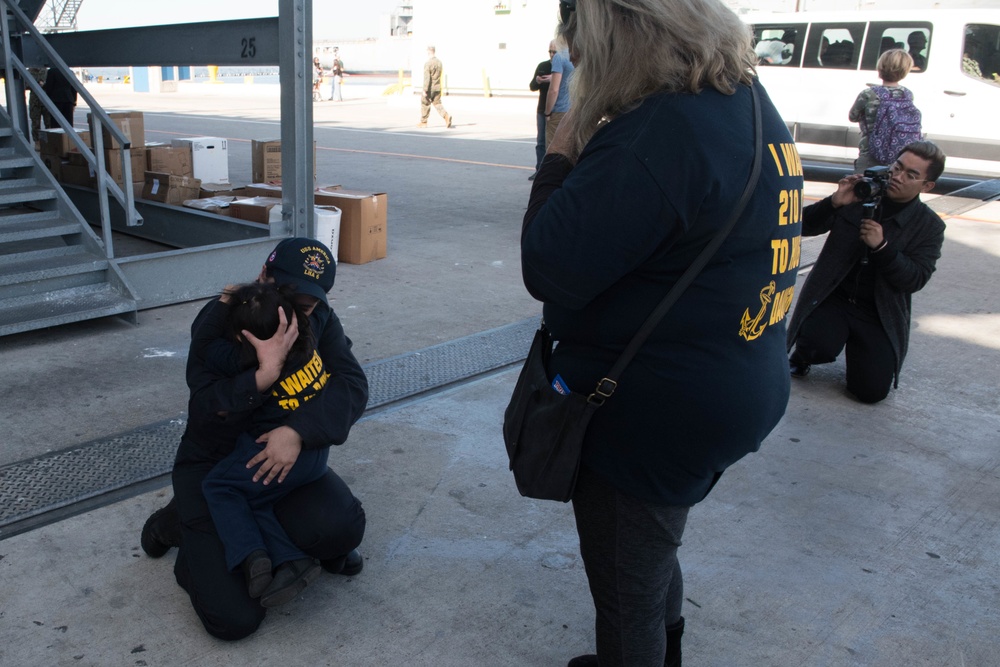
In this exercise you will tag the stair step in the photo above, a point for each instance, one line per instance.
(38, 265)
(29, 194)
(17, 228)
(16, 162)
(17, 183)
(76, 304)
(6, 132)
(24, 214)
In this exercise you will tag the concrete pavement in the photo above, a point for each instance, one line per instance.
(858, 535)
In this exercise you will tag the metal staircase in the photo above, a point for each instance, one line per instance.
(53, 266)
(58, 16)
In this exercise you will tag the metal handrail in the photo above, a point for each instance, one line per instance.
(99, 120)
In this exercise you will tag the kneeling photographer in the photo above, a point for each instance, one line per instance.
(883, 246)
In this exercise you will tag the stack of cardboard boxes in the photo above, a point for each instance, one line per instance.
(62, 157)
(194, 172)
(132, 126)
(362, 214)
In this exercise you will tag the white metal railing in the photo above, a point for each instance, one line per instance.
(99, 120)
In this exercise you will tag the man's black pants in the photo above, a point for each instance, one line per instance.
(837, 323)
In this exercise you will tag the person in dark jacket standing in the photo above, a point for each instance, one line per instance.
(323, 517)
(540, 84)
(858, 293)
(640, 176)
(63, 95)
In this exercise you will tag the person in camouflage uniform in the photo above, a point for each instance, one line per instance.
(35, 107)
(432, 89)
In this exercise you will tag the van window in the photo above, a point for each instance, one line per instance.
(981, 52)
(912, 37)
(834, 45)
(779, 44)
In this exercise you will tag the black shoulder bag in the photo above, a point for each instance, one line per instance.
(544, 429)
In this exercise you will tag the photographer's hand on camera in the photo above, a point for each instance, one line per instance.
(871, 235)
(845, 191)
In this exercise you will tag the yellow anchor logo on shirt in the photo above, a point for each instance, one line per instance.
(752, 328)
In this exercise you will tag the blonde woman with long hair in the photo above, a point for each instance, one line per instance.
(643, 172)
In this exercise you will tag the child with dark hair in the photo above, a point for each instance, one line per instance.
(242, 508)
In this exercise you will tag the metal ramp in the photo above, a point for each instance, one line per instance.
(53, 267)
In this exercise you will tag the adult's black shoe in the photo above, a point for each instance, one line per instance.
(798, 369)
(290, 579)
(161, 531)
(348, 565)
(583, 661)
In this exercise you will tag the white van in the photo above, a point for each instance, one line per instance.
(814, 64)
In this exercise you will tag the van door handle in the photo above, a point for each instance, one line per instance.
(955, 93)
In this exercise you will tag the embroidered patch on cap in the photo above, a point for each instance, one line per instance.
(315, 263)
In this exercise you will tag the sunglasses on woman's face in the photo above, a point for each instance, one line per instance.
(565, 7)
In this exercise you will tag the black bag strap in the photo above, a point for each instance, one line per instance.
(607, 385)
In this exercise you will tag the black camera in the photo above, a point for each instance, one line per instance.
(871, 188)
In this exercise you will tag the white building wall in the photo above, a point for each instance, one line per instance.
(472, 39)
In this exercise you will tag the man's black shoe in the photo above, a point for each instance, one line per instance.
(290, 579)
(348, 565)
(798, 369)
(161, 531)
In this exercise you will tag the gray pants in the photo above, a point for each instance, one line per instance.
(629, 550)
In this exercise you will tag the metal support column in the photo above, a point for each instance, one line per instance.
(14, 85)
(295, 63)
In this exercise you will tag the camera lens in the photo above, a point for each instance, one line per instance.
(864, 188)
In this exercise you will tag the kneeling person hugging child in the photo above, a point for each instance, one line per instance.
(240, 493)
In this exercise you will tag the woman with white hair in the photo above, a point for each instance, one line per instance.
(643, 173)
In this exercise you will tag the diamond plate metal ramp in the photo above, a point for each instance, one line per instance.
(58, 480)
(966, 199)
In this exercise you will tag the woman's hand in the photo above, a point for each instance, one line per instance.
(562, 143)
(272, 352)
(281, 450)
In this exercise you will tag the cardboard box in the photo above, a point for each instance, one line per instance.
(163, 159)
(85, 136)
(273, 189)
(209, 157)
(209, 190)
(54, 164)
(74, 174)
(113, 163)
(217, 205)
(57, 142)
(265, 160)
(137, 189)
(170, 189)
(362, 223)
(257, 209)
(130, 123)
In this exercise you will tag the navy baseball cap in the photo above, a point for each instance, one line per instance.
(304, 263)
